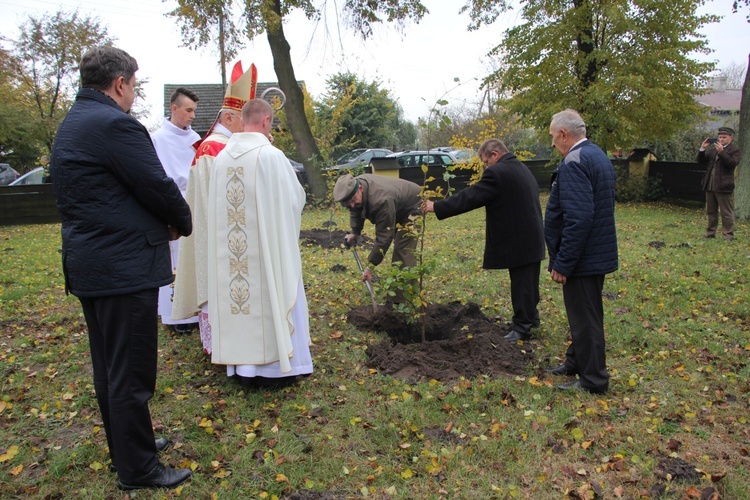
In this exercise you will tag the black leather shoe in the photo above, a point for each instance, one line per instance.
(161, 445)
(159, 477)
(514, 335)
(184, 327)
(575, 385)
(561, 370)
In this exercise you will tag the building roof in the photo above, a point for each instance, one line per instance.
(721, 100)
(211, 97)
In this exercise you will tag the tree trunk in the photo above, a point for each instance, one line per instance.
(742, 193)
(222, 51)
(295, 105)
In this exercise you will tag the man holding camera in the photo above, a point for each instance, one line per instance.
(720, 157)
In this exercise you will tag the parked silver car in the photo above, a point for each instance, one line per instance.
(7, 174)
(36, 176)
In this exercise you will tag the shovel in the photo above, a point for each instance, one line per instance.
(367, 283)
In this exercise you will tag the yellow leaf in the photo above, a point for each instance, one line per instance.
(67, 396)
(536, 382)
(222, 474)
(3, 406)
(96, 466)
(586, 444)
(205, 423)
(16, 470)
(181, 397)
(281, 478)
(9, 454)
(407, 474)
(249, 438)
(577, 434)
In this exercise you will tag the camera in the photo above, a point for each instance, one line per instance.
(712, 140)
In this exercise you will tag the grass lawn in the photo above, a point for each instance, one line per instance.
(677, 321)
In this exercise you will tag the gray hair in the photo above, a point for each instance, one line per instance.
(491, 145)
(570, 121)
(102, 65)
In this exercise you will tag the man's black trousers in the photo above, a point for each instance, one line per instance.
(123, 341)
(583, 303)
(524, 296)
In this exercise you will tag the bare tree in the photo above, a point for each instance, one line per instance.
(735, 74)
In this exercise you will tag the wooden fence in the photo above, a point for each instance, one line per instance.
(28, 204)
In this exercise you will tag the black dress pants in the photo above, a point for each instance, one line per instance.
(524, 296)
(586, 356)
(123, 333)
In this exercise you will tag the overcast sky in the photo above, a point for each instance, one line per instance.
(418, 66)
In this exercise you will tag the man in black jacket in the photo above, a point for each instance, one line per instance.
(514, 229)
(119, 211)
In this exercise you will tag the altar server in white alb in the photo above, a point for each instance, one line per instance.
(174, 147)
(256, 299)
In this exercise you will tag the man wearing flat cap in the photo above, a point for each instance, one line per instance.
(389, 204)
(720, 158)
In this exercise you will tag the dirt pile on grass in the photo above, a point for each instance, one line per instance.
(327, 238)
(460, 341)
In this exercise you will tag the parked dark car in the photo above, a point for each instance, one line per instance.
(360, 157)
(7, 174)
(299, 169)
(36, 176)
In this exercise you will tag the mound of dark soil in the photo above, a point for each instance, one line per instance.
(322, 237)
(327, 238)
(677, 469)
(461, 341)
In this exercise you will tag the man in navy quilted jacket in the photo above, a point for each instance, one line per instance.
(119, 211)
(579, 229)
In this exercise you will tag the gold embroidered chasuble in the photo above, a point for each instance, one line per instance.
(254, 263)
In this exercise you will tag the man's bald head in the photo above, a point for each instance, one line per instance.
(257, 116)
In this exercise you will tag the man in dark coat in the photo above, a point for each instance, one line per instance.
(720, 158)
(514, 237)
(579, 228)
(119, 211)
(389, 204)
